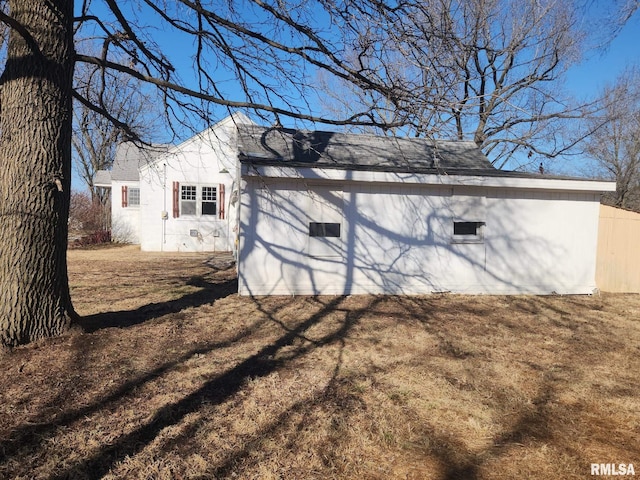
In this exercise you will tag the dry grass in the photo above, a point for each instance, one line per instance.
(177, 378)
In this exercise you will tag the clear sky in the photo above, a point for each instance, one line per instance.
(603, 65)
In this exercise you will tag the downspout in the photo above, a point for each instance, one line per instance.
(165, 214)
(230, 237)
(236, 229)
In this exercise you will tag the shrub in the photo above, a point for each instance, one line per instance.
(95, 238)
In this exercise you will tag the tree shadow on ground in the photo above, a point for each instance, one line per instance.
(533, 422)
(533, 425)
(209, 292)
(33, 434)
(215, 391)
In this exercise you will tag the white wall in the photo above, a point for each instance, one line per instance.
(397, 238)
(125, 221)
(208, 159)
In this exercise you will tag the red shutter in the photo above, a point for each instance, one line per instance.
(176, 199)
(124, 196)
(221, 208)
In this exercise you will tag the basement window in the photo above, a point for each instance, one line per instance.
(319, 229)
(468, 232)
(324, 239)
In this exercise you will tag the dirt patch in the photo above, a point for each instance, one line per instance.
(178, 377)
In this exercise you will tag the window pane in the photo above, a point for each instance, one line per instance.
(188, 192)
(187, 208)
(208, 208)
(465, 228)
(133, 195)
(208, 194)
(317, 229)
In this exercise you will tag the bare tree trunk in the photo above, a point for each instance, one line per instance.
(35, 173)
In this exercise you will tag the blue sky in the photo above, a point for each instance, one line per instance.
(603, 65)
(598, 68)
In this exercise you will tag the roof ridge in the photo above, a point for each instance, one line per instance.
(360, 134)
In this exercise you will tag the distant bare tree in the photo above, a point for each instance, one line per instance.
(85, 215)
(94, 136)
(488, 71)
(624, 10)
(614, 147)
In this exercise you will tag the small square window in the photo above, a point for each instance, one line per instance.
(317, 229)
(468, 232)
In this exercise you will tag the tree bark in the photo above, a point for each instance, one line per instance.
(35, 171)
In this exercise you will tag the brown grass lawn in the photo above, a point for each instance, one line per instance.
(175, 377)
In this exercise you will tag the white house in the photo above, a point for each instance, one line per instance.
(124, 181)
(335, 213)
(177, 198)
(330, 213)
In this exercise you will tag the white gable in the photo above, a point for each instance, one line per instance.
(185, 194)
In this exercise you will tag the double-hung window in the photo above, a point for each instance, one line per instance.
(209, 201)
(198, 200)
(134, 197)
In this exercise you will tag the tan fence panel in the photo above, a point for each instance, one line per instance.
(618, 258)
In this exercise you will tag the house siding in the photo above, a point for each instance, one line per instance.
(125, 219)
(208, 159)
(398, 238)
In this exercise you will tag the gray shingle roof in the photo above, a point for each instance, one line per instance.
(130, 157)
(102, 178)
(126, 166)
(278, 146)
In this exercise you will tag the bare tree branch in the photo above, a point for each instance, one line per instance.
(614, 140)
(486, 71)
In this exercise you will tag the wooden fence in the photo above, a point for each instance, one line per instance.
(618, 257)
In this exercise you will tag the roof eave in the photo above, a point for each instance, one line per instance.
(450, 177)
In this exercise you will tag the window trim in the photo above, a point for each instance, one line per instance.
(478, 237)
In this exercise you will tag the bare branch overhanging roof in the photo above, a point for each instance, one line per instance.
(298, 148)
(356, 151)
